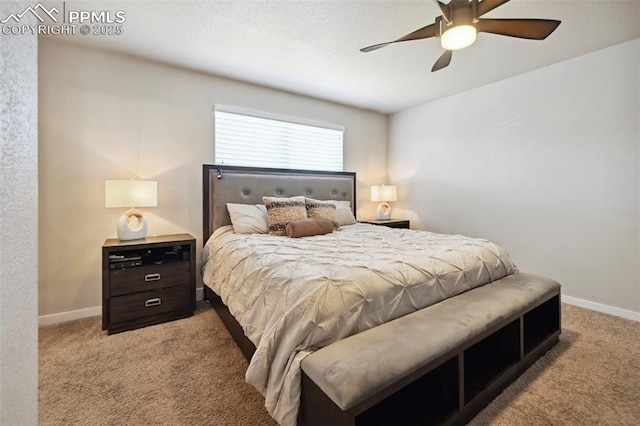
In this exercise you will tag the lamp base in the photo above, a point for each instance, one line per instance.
(383, 212)
(132, 230)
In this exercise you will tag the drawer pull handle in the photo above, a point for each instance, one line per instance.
(153, 302)
(152, 277)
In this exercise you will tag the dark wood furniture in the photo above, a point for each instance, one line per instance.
(147, 281)
(462, 382)
(390, 223)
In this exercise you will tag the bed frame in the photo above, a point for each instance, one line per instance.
(510, 344)
(247, 185)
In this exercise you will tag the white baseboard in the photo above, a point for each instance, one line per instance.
(611, 310)
(69, 316)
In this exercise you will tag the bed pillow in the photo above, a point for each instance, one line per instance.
(317, 209)
(248, 218)
(344, 213)
(281, 211)
(308, 227)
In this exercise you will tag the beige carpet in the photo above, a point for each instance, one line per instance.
(189, 372)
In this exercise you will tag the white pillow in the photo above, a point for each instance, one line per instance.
(248, 218)
(344, 213)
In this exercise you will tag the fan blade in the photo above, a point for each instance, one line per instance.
(444, 9)
(486, 6)
(443, 61)
(533, 29)
(375, 47)
(425, 32)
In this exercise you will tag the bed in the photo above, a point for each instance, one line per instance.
(311, 307)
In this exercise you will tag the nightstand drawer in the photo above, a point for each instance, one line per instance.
(143, 278)
(133, 306)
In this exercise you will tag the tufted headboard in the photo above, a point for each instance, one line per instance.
(247, 185)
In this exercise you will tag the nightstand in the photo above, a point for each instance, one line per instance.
(147, 281)
(390, 223)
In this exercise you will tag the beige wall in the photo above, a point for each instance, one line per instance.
(107, 116)
(546, 164)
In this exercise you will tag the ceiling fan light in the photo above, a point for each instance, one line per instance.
(458, 37)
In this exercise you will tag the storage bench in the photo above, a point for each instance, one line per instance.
(439, 365)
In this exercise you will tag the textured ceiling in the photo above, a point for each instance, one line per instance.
(312, 47)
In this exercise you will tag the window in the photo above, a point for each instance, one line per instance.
(246, 139)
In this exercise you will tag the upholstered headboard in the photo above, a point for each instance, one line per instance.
(247, 185)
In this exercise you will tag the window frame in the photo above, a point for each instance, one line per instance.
(276, 118)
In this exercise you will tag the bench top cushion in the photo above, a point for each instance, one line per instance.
(352, 369)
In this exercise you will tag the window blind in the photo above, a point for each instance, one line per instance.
(246, 140)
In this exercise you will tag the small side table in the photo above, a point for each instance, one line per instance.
(390, 223)
(147, 281)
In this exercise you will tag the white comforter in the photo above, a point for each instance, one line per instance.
(294, 295)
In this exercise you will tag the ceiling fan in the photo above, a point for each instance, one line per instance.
(460, 22)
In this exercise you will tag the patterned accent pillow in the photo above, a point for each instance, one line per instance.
(281, 211)
(317, 209)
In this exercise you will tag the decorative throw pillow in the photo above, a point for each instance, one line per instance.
(248, 218)
(317, 209)
(309, 227)
(344, 212)
(281, 211)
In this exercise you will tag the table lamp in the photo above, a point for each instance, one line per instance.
(383, 193)
(131, 193)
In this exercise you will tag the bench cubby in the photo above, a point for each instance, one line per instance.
(540, 323)
(489, 358)
(436, 392)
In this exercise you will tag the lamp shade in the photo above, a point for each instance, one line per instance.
(383, 193)
(130, 193)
